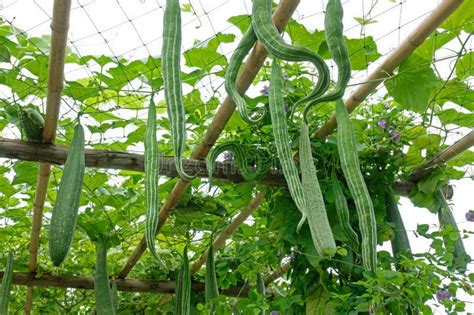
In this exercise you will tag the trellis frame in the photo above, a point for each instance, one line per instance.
(396, 57)
(55, 85)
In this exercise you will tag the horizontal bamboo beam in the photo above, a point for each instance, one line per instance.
(127, 285)
(279, 272)
(57, 154)
(394, 59)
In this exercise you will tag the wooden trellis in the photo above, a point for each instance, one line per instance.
(49, 153)
(57, 154)
(426, 27)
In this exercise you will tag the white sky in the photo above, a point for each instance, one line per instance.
(120, 37)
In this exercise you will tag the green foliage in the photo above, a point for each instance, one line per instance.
(424, 112)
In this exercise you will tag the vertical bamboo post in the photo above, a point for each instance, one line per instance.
(59, 31)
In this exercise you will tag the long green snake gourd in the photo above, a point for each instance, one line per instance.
(349, 158)
(5, 288)
(269, 37)
(66, 207)
(282, 140)
(342, 213)
(305, 192)
(323, 238)
(171, 58)
(243, 48)
(338, 50)
(152, 177)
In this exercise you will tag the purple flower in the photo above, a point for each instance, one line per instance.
(274, 313)
(264, 90)
(387, 107)
(382, 123)
(470, 216)
(394, 135)
(443, 295)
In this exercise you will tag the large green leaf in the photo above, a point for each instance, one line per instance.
(205, 55)
(462, 18)
(414, 83)
(452, 116)
(458, 92)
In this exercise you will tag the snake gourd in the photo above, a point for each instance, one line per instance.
(268, 35)
(171, 69)
(349, 158)
(338, 50)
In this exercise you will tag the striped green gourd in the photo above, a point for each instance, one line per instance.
(261, 287)
(243, 48)
(446, 218)
(171, 69)
(400, 242)
(268, 35)
(342, 213)
(282, 139)
(152, 177)
(349, 158)
(321, 233)
(31, 124)
(338, 50)
(183, 287)
(6, 285)
(103, 298)
(114, 294)
(64, 214)
(211, 289)
(241, 157)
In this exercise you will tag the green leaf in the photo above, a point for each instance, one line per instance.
(205, 55)
(452, 116)
(465, 66)
(241, 21)
(413, 85)
(5, 54)
(362, 51)
(458, 92)
(461, 19)
(422, 228)
(430, 184)
(434, 42)
(363, 21)
(300, 35)
(465, 158)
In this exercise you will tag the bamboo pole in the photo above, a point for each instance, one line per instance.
(127, 285)
(57, 154)
(279, 272)
(230, 229)
(250, 70)
(393, 60)
(452, 151)
(59, 31)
